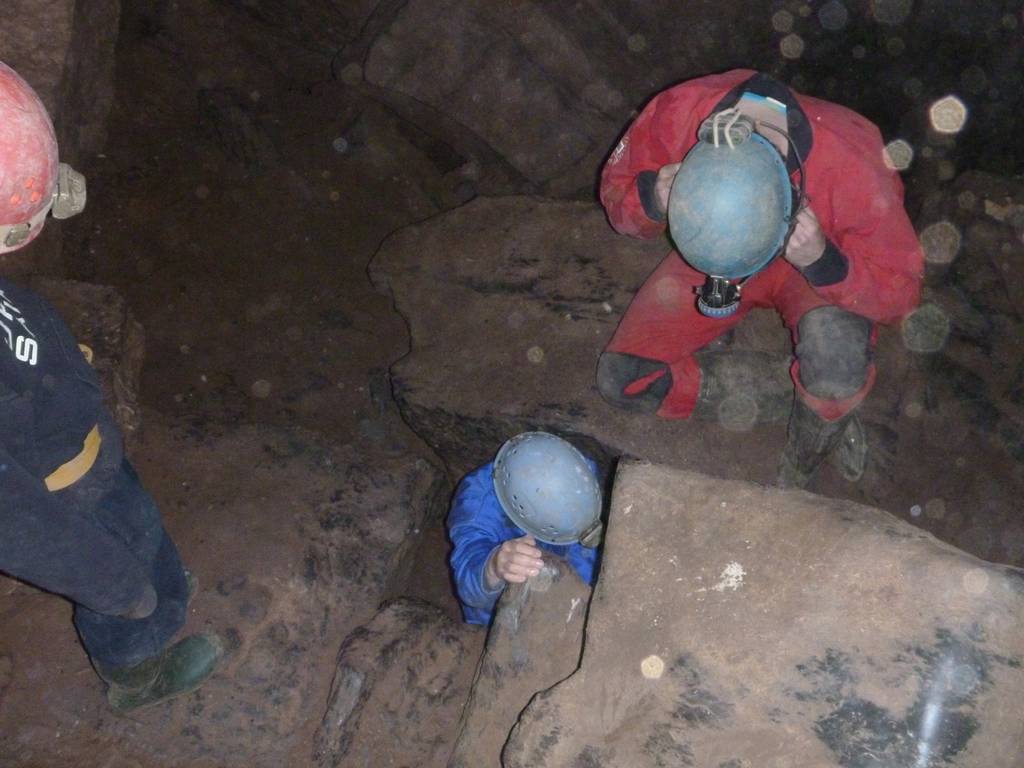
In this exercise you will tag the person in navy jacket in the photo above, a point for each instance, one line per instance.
(75, 518)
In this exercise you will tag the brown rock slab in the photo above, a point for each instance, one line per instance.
(534, 643)
(548, 86)
(401, 681)
(510, 302)
(735, 625)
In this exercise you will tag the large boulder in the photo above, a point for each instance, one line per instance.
(549, 86)
(736, 626)
(510, 301)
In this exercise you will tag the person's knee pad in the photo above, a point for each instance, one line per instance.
(834, 351)
(616, 371)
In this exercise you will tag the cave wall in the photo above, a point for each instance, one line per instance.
(65, 50)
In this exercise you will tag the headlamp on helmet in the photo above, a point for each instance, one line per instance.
(730, 209)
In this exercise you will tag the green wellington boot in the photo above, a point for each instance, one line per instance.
(177, 670)
(812, 440)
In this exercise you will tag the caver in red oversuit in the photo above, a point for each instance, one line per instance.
(846, 257)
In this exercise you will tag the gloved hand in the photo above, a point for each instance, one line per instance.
(807, 243)
(663, 185)
(144, 606)
(515, 561)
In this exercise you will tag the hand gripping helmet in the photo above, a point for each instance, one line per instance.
(32, 182)
(730, 203)
(546, 488)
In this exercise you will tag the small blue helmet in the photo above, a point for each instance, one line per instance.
(730, 203)
(547, 488)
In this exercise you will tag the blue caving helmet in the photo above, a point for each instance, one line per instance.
(546, 487)
(730, 204)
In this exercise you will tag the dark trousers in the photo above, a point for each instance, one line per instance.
(128, 512)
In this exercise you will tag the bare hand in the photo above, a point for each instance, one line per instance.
(515, 561)
(807, 242)
(663, 185)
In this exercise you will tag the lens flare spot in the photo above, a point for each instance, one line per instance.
(974, 79)
(833, 16)
(926, 329)
(782, 21)
(948, 115)
(738, 413)
(895, 46)
(890, 11)
(898, 155)
(652, 667)
(941, 242)
(913, 87)
(975, 581)
(913, 410)
(792, 46)
(668, 291)
(935, 509)
(637, 43)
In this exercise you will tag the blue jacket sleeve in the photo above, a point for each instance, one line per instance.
(476, 524)
(44, 544)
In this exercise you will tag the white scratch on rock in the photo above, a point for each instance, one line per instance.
(731, 578)
(572, 609)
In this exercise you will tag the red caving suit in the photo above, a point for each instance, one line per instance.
(857, 198)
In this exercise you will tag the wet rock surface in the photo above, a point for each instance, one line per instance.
(534, 643)
(736, 625)
(400, 682)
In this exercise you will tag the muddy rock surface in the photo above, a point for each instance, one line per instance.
(401, 680)
(326, 524)
(722, 621)
(534, 643)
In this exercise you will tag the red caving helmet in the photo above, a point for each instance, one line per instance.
(32, 181)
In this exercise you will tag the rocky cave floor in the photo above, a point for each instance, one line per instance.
(241, 240)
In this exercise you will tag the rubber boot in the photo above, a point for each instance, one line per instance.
(177, 670)
(812, 440)
(741, 388)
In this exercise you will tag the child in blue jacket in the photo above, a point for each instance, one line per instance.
(491, 551)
